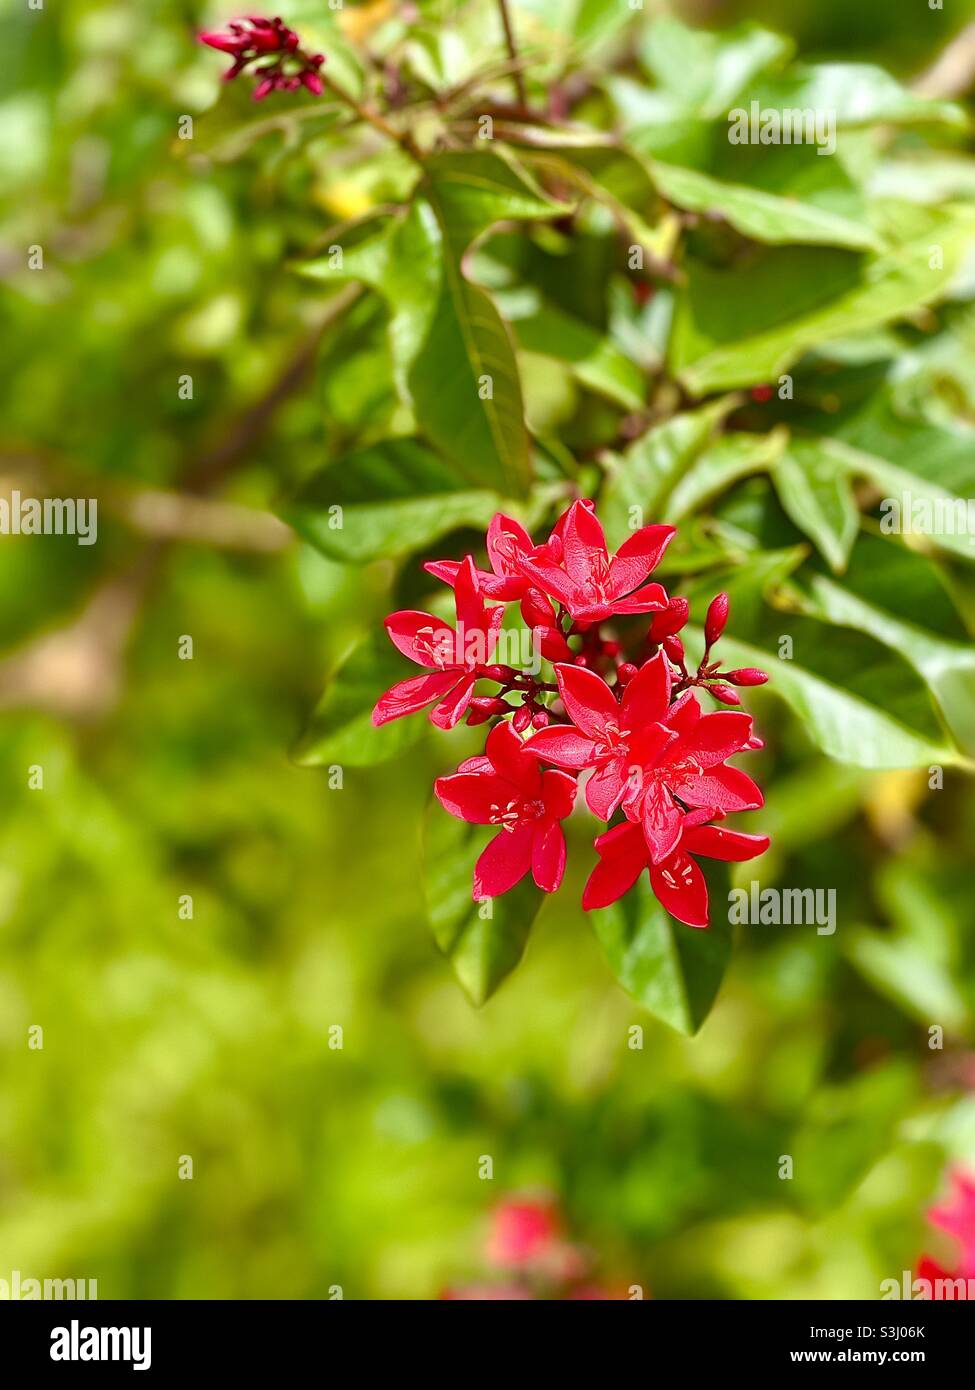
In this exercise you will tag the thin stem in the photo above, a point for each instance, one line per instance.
(509, 35)
(373, 118)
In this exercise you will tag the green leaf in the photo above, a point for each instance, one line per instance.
(483, 941)
(706, 71)
(464, 380)
(729, 458)
(759, 215)
(739, 325)
(595, 362)
(386, 500)
(872, 599)
(674, 971)
(855, 94)
(341, 729)
(929, 498)
(817, 495)
(647, 472)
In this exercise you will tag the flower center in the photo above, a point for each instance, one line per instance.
(515, 812)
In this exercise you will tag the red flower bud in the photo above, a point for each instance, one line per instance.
(522, 718)
(536, 609)
(725, 694)
(674, 648)
(611, 649)
(552, 644)
(502, 674)
(484, 707)
(747, 675)
(625, 672)
(761, 393)
(671, 620)
(541, 719)
(716, 619)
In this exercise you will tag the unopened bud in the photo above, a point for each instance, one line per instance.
(503, 674)
(747, 675)
(484, 707)
(674, 648)
(611, 649)
(725, 694)
(716, 619)
(522, 718)
(552, 644)
(540, 719)
(625, 672)
(536, 609)
(671, 620)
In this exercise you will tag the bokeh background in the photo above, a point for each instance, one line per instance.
(163, 1037)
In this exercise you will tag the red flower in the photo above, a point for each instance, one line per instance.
(647, 752)
(588, 583)
(508, 543)
(250, 40)
(506, 787)
(677, 881)
(522, 1232)
(451, 657)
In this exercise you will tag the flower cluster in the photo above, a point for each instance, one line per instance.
(285, 65)
(656, 764)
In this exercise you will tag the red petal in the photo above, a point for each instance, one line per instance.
(454, 706)
(733, 846)
(685, 714)
(622, 858)
(548, 856)
(638, 557)
(406, 697)
(714, 738)
(550, 578)
(509, 758)
(606, 789)
(590, 703)
(407, 625)
(661, 820)
(472, 796)
(507, 540)
(563, 746)
(652, 598)
(504, 862)
(583, 544)
(681, 888)
(468, 596)
(443, 569)
(558, 793)
(723, 788)
(646, 699)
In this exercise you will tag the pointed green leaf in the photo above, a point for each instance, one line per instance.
(674, 971)
(387, 500)
(817, 496)
(485, 940)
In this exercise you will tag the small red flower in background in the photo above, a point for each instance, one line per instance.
(957, 1218)
(528, 1244)
(288, 66)
(624, 711)
(507, 788)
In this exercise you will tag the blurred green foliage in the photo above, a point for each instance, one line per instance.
(209, 1037)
